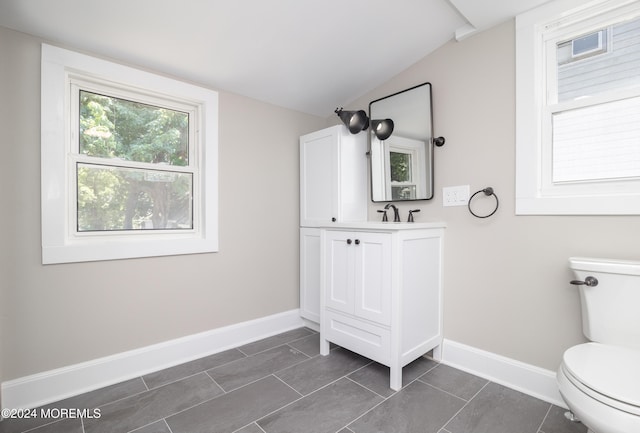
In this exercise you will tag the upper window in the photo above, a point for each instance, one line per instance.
(128, 162)
(578, 109)
(583, 46)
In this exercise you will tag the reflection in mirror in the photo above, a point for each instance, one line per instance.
(402, 164)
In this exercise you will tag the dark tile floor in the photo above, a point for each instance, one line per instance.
(281, 384)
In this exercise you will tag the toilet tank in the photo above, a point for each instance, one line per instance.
(610, 310)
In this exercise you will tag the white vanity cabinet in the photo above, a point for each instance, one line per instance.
(333, 177)
(381, 287)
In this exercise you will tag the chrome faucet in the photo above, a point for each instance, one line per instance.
(396, 215)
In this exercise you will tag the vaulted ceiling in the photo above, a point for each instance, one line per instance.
(306, 55)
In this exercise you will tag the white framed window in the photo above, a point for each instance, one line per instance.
(405, 167)
(129, 162)
(578, 108)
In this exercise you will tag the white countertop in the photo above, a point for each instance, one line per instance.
(375, 225)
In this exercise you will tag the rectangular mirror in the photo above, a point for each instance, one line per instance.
(402, 164)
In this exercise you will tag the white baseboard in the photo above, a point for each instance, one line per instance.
(49, 386)
(311, 324)
(534, 381)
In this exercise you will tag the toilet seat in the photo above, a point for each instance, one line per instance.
(609, 374)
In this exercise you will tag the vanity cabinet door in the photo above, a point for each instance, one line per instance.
(318, 177)
(372, 287)
(333, 177)
(358, 273)
(339, 262)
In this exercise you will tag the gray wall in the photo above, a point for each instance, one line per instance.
(506, 277)
(57, 315)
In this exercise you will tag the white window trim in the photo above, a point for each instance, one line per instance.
(59, 242)
(533, 196)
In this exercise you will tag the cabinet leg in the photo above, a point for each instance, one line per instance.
(395, 380)
(324, 346)
(437, 353)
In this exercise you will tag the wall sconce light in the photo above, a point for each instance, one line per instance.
(358, 121)
(382, 128)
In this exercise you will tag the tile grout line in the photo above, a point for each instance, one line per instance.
(31, 429)
(197, 372)
(345, 376)
(144, 382)
(463, 406)
(295, 390)
(215, 382)
(206, 370)
(384, 399)
(447, 392)
(417, 379)
(144, 426)
(244, 353)
(368, 389)
(263, 377)
(286, 405)
(259, 353)
(301, 351)
(307, 395)
(245, 426)
(142, 392)
(167, 424)
(544, 418)
(226, 393)
(197, 404)
(273, 347)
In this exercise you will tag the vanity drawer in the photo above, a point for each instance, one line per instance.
(364, 338)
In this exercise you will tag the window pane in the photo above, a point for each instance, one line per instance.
(117, 128)
(113, 198)
(612, 67)
(597, 142)
(587, 44)
(400, 166)
(403, 192)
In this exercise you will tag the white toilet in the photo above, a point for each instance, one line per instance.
(600, 380)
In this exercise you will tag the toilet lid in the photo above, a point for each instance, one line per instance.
(612, 371)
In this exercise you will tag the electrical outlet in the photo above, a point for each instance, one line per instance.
(455, 195)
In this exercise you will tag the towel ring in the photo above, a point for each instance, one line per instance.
(487, 191)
